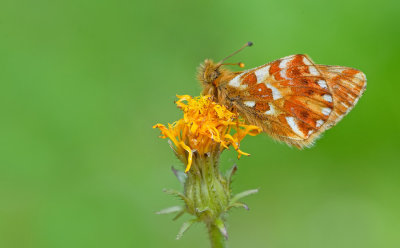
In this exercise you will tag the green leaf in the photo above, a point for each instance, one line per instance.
(180, 195)
(180, 175)
(175, 193)
(230, 173)
(238, 205)
(206, 211)
(199, 210)
(239, 196)
(221, 227)
(179, 214)
(170, 210)
(185, 227)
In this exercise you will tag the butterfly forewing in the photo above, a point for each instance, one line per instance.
(293, 99)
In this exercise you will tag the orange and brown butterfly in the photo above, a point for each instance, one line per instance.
(291, 99)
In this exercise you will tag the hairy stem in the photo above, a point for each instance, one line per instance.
(216, 237)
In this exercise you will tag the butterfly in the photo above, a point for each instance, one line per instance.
(292, 99)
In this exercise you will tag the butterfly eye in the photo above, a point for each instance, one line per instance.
(211, 76)
(209, 72)
(215, 74)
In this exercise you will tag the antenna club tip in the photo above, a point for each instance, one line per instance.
(249, 43)
(241, 65)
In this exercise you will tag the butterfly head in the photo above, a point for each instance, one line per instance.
(209, 72)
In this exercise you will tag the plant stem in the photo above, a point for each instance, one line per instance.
(216, 237)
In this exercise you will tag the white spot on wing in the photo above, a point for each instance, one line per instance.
(306, 61)
(327, 98)
(326, 111)
(275, 92)
(271, 110)
(293, 125)
(323, 84)
(319, 123)
(235, 82)
(337, 70)
(250, 103)
(313, 71)
(283, 74)
(284, 62)
(361, 76)
(262, 73)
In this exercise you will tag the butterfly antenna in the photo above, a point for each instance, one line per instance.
(240, 64)
(248, 44)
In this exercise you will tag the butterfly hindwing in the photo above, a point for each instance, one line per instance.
(347, 86)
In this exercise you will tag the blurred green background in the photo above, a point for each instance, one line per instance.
(82, 83)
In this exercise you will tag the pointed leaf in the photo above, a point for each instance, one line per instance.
(239, 196)
(179, 215)
(179, 194)
(221, 227)
(238, 205)
(206, 211)
(185, 227)
(229, 175)
(231, 172)
(202, 210)
(170, 210)
(173, 148)
(180, 175)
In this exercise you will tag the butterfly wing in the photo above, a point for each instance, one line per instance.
(294, 100)
(347, 86)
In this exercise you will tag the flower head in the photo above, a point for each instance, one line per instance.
(206, 127)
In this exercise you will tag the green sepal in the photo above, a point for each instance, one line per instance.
(170, 210)
(180, 175)
(239, 196)
(238, 205)
(199, 210)
(185, 226)
(221, 227)
(179, 194)
(179, 214)
(230, 173)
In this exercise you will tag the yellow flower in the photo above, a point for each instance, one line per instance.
(206, 127)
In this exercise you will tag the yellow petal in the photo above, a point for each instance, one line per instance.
(190, 157)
